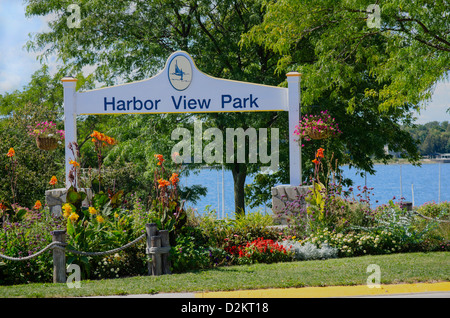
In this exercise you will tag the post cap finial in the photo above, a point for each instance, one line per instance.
(293, 74)
(68, 79)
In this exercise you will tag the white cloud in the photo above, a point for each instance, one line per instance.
(436, 109)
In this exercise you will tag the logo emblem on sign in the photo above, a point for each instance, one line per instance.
(180, 72)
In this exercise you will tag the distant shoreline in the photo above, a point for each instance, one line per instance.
(404, 161)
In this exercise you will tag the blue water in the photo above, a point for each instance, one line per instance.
(424, 181)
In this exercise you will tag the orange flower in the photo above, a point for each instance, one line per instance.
(76, 164)
(320, 153)
(174, 178)
(11, 152)
(98, 136)
(163, 183)
(37, 205)
(53, 180)
(160, 158)
(315, 161)
(110, 140)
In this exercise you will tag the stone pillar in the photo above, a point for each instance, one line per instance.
(55, 198)
(283, 195)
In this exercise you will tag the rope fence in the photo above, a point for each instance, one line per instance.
(157, 247)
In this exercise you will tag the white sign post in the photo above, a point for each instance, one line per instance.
(181, 88)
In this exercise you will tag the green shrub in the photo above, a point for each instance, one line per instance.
(24, 238)
(190, 252)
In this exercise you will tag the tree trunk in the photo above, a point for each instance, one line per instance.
(239, 174)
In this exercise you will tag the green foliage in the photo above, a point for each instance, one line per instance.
(336, 37)
(188, 254)
(75, 198)
(10, 213)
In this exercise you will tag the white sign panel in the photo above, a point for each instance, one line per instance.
(181, 88)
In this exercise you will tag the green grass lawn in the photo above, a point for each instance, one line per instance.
(395, 268)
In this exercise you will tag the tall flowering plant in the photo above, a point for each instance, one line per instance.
(165, 202)
(318, 126)
(101, 141)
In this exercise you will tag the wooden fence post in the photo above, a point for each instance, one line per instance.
(59, 257)
(158, 247)
(165, 257)
(150, 229)
(156, 257)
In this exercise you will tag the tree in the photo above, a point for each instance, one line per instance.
(130, 40)
(370, 79)
(413, 57)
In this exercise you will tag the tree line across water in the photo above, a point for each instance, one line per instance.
(433, 137)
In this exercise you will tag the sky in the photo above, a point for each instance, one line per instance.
(17, 64)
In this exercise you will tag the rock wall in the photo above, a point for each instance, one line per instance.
(55, 198)
(292, 196)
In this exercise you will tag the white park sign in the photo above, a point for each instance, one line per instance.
(181, 88)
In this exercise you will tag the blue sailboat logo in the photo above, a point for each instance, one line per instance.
(178, 71)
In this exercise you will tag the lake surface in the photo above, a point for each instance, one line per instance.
(415, 184)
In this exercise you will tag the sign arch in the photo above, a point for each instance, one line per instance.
(180, 87)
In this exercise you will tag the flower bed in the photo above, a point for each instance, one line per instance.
(333, 225)
(260, 251)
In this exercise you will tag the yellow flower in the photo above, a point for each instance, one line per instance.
(67, 210)
(100, 219)
(116, 215)
(73, 216)
(92, 210)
